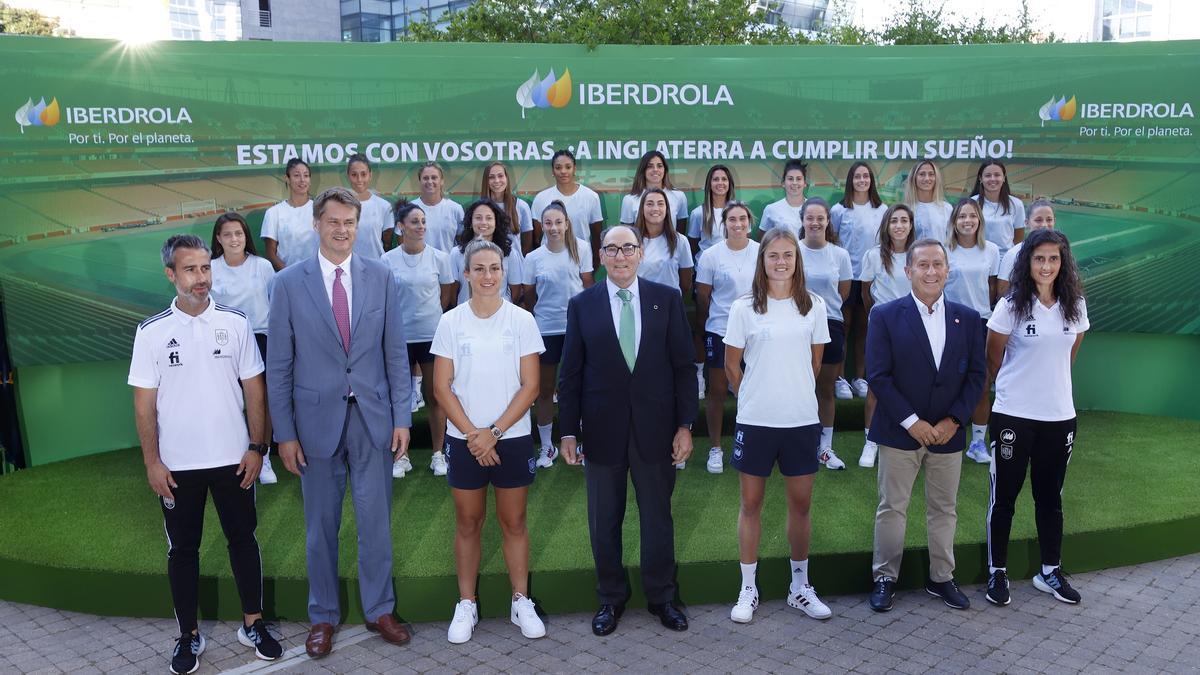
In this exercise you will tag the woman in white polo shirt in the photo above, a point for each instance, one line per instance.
(375, 218)
(705, 228)
(243, 280)
(925, 191)
(653, 172)
(974, 262)
(725, 273)
(785, 212)
(883, 280)
(1033, 337)
(425, 282)
(666, 254)
(779, 330)
(583, 204)
(443, 216)
(486, 377)
(287, 229)
(497, 186)
(1005, 214)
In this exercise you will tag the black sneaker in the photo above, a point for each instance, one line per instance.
(997, 592)
(188, 649)
(257, 636)
(883, 594)
(1056, 584)
(949, 593)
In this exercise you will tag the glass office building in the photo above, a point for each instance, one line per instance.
(388, 20)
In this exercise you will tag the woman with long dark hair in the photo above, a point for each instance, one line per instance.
(484, 219)
(705, 227)
(666, 255)
(1004, 213)
(497, 186)
(653, 172)
(582, 202)
(1033, 338)
(287, 230)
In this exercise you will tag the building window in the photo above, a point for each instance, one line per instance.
(1126, 19)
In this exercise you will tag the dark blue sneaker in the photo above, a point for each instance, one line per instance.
(883, 594)
(949, 592)
(257, 636)
(997, 591)
(188, 649)
(1056, 584)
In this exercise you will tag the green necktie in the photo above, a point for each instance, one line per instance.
(627, 332)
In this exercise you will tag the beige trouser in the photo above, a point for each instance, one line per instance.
(897, 471)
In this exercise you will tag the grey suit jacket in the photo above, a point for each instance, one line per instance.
(308, 371)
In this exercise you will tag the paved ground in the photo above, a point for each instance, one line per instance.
(1134, 619)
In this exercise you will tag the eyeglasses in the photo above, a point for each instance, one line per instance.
(612, 250)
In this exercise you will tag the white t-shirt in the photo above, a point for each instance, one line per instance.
(419, 280)
(513, 274)
(524, 219)
(779, 388)
(970, 269)
(858, 229)
(442, 223)
(677, 207)
(695, 228)
(730, 273)
(197, 365)
(657, 262)
(781, 214)
(246, 287)
(933, 220)
(1034, 381)
(999, 227)
(885, 287)
(374, 220)
(583, 208)
(1008, 261)
(487, 361)
(292, 229)
(824, 269)
(556, 279)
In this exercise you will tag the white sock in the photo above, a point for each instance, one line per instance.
(799, 574)
(544, 432)
(1047, 569)
(748, 572)
(416, 382)
(867, 433)
(826, 437)
(700, 369)
(979, 432)
(993, 570)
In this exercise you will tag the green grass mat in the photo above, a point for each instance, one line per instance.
(97, 512)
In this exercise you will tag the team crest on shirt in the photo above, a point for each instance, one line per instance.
(221, 335)
(1006, 452)
(1008, 436)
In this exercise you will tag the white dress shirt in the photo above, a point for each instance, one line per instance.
(934, 321)
(636, 302)
(328, 274)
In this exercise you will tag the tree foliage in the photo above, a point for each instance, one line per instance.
(16, 21)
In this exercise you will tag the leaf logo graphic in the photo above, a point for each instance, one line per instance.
(39, 115)
(525, 93)
(23, 114)
(548, 92)
(1061, 110)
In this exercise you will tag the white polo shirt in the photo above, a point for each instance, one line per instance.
(443, 222)
(292, 229)
(1034, 381)
(196, 364)
(374, 219)
(583, 208)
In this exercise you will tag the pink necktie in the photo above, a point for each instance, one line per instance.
(341, 309)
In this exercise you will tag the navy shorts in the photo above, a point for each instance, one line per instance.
(516, 468)
(835, 349)
(757, 449)
(418, 352)
(855, 297)
(714, 350)
(554, 346)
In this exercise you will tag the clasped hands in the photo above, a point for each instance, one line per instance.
(938, 434)
(482, 446)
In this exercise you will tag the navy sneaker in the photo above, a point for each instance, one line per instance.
(997, 591)
(188, 649)
(883, 594)
(1056, 584)
(259, 637)
(949, 592)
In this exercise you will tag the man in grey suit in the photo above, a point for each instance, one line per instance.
(339, 394)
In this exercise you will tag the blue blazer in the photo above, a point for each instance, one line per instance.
(601, 402)
(904, 380)
(308, 371)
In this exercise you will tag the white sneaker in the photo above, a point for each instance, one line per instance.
(867, 459)
(398, 468)
(841, 389)
(267, 475)
(420, 398)
(806, 600)
(546, 457)
(466, 616)
(859, 386)
(978, 452)
(438, 464)
(681, 466)
(747, 602)
(830, 459)
(716, 460)
(524, 614)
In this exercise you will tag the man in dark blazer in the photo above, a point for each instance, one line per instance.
(339, 394)
(627, 394)
(926, 366)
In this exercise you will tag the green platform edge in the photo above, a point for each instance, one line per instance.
(566, 591)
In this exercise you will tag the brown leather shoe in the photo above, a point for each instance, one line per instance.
(320, 640)
(390, 629)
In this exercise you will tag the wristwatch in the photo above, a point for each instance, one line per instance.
(496, 433)
(260, 448)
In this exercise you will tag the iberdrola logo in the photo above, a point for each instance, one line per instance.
(550, 92)
(40, 115)
(1061, 110)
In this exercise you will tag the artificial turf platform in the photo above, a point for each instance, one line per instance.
(86, 534)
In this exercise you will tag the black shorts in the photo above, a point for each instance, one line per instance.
(554, 346)
(835, 349)
(261, 339)
(757, 449)
(418, 352)
(516, 468)
(855, 297)
(714, 350)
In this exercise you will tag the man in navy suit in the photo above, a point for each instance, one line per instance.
(926, 366)
(627, 390)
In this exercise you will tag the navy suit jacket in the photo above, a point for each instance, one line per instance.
(601, 402)
(902, 375)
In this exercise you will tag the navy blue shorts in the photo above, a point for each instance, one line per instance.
(855, 297)
(757, 449)
(835, 349)
(418, 352)
(714, 350)
(516, 467)
(554, 346)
